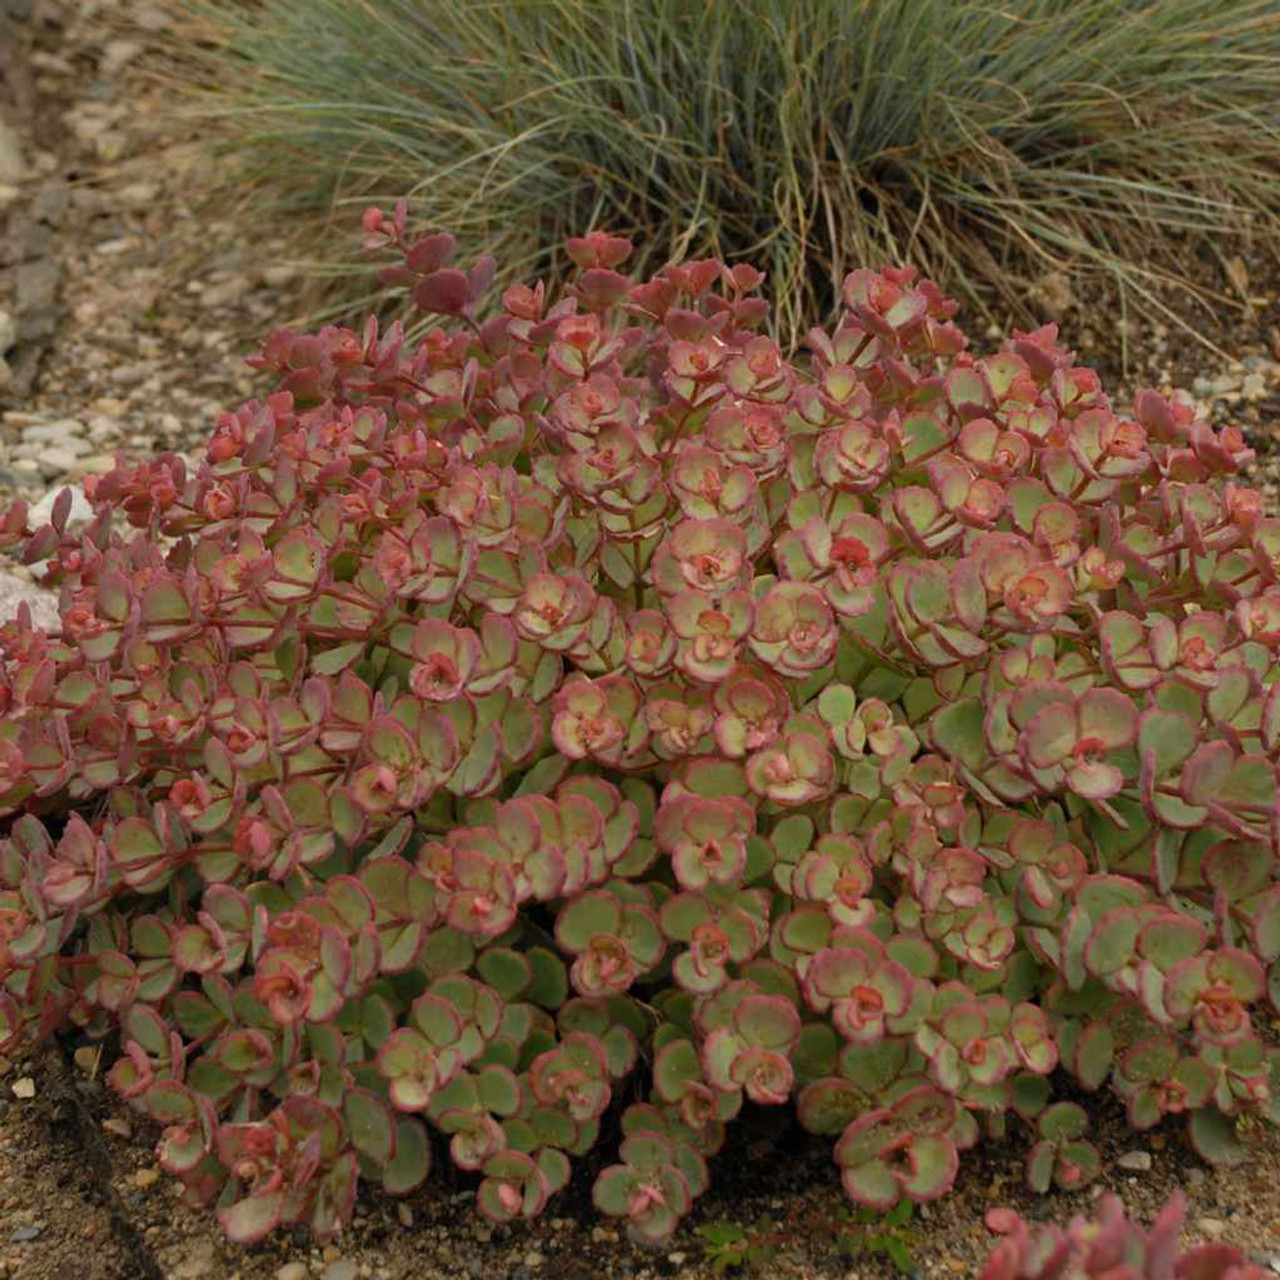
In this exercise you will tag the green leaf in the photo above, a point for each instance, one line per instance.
(408, 1168)
(958, 730)
(370, 1124)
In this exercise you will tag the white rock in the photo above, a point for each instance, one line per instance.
(52, 432)
(117, 54)
(24, 1088)
(1211, 1227)
(1136, 1161)
(227, 292)
(81, 511)
(76, 447)
(56, 461)
(292, 1271)
(44, 604)
(8, 331)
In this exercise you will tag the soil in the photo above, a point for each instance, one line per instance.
(126, 307)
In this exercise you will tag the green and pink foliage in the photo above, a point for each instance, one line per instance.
(591, 701)
(1109, 1244)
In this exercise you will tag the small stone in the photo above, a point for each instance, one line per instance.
(1211, 1227)
(139, 192)
(145, 1178)
(33, 449)
(404, 1213)
(677, 1259)
(117, 54)
(1136, 1161)
(292, 1271)
(226, 293)
(118, 1126)
(58, 432)
(599, 1235)
(533, 1258)
(56, 461)
(24, 1088)
(8, 331)
(343, 1270)
(96, 464)
(128, 375)
(331, 1253)
(1195, 1177)
(23, 1234)
(1254, 386)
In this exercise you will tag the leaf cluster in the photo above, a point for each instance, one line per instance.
(588, 701)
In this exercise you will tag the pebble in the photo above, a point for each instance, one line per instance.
(145, 1178)
(24, 1234)
(117, 54)
(1211, 1227)
(60, 432)
(343, 1270)
(404, 1213)
(599, 1235)
(533, 1258)
(292, 1271)
(118, 1126)
(96, 464)
(193, 1269)
(8, 331)
(24, 1088)
(1136, 1161)
(57, 458)
(226, 293)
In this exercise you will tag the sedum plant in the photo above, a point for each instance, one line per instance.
(1110, 1245)
(591, 716)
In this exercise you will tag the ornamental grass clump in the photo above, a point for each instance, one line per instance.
(990, 143)
(584, 721)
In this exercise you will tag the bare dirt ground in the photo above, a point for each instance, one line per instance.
(125, 310)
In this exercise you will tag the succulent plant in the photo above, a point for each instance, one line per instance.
(1110, 1244)
(591, 701)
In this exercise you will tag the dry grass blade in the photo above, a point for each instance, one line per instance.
(983, 141)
